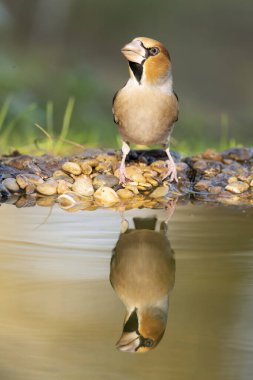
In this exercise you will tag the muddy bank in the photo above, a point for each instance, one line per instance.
(90, 179)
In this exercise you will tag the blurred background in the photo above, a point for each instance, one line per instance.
(60, 65)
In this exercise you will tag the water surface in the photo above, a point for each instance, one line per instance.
(60, 318)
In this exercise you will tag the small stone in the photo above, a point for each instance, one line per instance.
(105, 196)
(202, 185)
(232, 179)
(86, 168)
(238, 154)
(70, 200)
(200, 165)
(152, 181)
(22, 181)
(72, 167)
(159, 192)
(105, 180)
(211, 154)
(63, 186)
(4, 193)
(25, 201)
(132, 188)
(251, 183)
(125, 193)
(104, 167)
(135, 174)
(182, 166)
(46, 201)
(83, 186)
(30, 188)
(214, 189)
(11, 184)
(49, 187)
(237, 187)
(150, 173)
(34, 178)
(93, 162)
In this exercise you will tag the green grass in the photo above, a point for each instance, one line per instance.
(24, 133)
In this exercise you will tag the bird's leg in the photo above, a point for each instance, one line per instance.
(172, 171)
(122, 169)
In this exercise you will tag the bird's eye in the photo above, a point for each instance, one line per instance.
(148, 342)
(154, 51)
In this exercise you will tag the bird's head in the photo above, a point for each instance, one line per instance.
(142, 330)
(149, 60)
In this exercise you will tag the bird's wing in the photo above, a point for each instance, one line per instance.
(115, 119)
(176, 96)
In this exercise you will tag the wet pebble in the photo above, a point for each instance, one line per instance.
(63, 186)
(33, 178)
(11, 184)
(159, 192)
(83, 186)
(72, 199)
(214, 189)
(135, 174)
(86, 168)
(125, 193)
(202, 185)
(49, 187)
(22, 181)
(72, 167)
(105, 196)
(46, 201)
(237, 187)
(105, 180)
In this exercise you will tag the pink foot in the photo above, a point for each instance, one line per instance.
(122, 175)
(172, 171)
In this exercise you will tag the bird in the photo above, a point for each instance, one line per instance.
(147, 107)
(142, 273)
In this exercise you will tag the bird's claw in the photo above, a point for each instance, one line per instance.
(122, 176)
(171, 173)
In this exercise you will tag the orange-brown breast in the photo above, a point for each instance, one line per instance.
(145, 114)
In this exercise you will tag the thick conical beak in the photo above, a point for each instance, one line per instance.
(128, 342)
(134, 51)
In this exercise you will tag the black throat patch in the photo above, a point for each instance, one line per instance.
(132, 323)
(137, 69)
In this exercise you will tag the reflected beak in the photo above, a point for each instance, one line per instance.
(134, 52)
(128, 342)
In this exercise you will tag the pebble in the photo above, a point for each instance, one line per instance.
(47, 201)
(86, 168)
(63, 186)
(105, 180)
(11, 184)
(237, 187)
(83, 186)
(105, 196)
(159, 192)
(202, 185)
(4, 193)
(71, 199)
(49, 187)
(125, 193)
(135, 174)
(214, 189)
(22, 181)
(30, 188)
(72, 167)
(34, 178)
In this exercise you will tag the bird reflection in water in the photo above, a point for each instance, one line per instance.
(143, 274)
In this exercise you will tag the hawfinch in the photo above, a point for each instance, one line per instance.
(142, 274)
(146, 108)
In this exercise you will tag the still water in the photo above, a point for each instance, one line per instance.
(60, 318)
